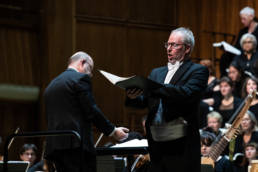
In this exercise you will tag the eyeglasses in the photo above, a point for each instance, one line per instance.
(29, 154)
(247, 42)
(173, 45)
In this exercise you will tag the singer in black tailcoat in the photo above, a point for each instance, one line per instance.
(180, 97)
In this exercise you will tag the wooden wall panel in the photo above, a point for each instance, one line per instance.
(152, 11)
(106, 45)
(145, 48)
(106, 8)
(19, 66)
(57, 36)
(124, 37)
(19, 49)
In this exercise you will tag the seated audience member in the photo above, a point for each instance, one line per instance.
(249, 56)
(247, 16)
(248, 132)
(228, 104)
(222, 164)
(249, 85)
(236, 75)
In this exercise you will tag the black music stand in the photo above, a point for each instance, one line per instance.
(15, 166)
(34, 134)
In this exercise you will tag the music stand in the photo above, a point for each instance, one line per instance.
(15, 166)
(35, 134)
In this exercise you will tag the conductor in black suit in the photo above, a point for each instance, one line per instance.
(70, 106)
(172, 122)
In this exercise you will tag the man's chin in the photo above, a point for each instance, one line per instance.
(171, 60)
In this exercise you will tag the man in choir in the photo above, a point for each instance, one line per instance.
(70, 105)
(172, 122)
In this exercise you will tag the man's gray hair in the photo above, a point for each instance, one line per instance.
(246, 36)
(188, 37)
(79, 55)
(248, 11)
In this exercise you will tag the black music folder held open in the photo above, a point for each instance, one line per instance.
(132, 82)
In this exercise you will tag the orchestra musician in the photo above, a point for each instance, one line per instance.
(28, 152)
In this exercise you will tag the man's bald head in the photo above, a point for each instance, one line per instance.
(82, 62)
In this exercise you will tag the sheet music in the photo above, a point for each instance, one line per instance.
(227, 47)
(133, 143)
(113, 78)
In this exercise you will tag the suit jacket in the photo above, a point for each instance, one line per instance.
(70, 106)
(180, 98)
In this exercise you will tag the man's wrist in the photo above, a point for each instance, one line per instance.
(113, 132)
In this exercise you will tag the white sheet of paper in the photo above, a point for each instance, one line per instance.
(113, 78)
(227, 47)
(133, 143)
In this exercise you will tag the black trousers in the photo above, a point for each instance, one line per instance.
(73, 160)
(168, 163)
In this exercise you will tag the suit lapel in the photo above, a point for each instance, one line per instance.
(182, 69)
(162, 75)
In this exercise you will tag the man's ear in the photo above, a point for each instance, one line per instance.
(187, 50)
(83, 61)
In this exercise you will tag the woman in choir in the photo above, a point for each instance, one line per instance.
(250, 85)
(248, 132)
(247, 16)
(236, 75)
(251, 151)
(228, 104)
(247, 59)
(214, 121)
(242, 161)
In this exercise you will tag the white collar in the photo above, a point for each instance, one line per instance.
(218, 158)
(175, 65)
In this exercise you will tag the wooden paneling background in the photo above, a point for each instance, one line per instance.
(124, 37)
